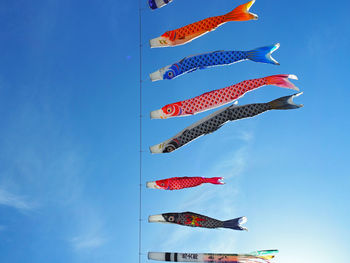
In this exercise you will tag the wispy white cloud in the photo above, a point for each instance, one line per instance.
(47, 170)
(90, 234)
(246, 136)
(87, 242)
(324, 40)
(15, 201)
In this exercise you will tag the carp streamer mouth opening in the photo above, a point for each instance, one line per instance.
(158, 114)
(159, 42)
(152, 185)
(156, 219)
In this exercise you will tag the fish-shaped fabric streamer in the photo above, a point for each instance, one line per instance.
(262, 256)
(212, 59)
(177, 183)
(154, 4)
(187, 33)
(216, 98)
(197, 220)
(215, 120)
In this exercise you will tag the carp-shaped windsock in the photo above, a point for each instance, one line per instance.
(213, 59)
(217, 119)
(219, 97)
(187, 33)
(261, 256)
(197, 220)
(177, 183)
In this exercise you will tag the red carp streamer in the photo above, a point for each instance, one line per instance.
(219, 97)
(177, 183)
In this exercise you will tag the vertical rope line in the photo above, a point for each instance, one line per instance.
(140, 154)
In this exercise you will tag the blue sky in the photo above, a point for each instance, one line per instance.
(69, 133)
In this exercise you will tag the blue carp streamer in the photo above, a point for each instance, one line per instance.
(212, 59)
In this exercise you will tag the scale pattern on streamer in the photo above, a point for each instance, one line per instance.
(202, 26)
(197, 220)
(211, 59)
(185, 182)
(221, 96)
(231, 113)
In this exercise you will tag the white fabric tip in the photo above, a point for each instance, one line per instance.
(156, 76)
(292, 76)
(157, 148)
(156, 256)
(159, 42)
(152, 185)
(156, 218)
(158, 114)
(243, 220)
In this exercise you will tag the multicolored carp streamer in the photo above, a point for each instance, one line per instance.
(217, 119)
(177, 183)
(212, 59)
(197, 220)
(262, 256)
(154, 4)
(217, 98)
(187, 33)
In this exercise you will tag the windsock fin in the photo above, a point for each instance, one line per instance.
(241, 13)
(236, 223)
(282, 81)
(263, 54)
(263, 252)
(285, 103)
(215, 180)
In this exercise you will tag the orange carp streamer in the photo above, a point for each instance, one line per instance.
(190, 32)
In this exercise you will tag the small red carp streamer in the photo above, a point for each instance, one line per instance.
(219, 97)
(190, 32)
(177, 183)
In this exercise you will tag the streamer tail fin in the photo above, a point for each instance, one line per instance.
(285, 103)
(241, 13)
(263, 252)
(215, 180)
(263, 54)
(236, 223)
(282, 81)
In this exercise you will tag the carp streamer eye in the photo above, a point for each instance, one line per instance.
(170, 148)
(162, 184)
(170, 74)
(171, 218)
(169, 109)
